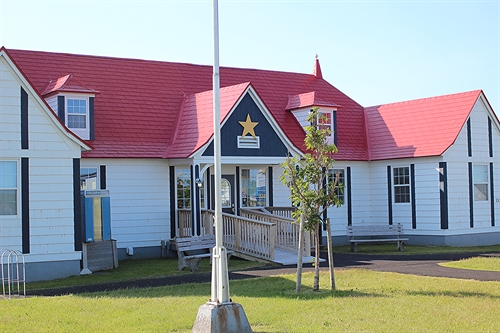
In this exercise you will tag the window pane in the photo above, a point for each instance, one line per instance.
(8, 202)
(183, 188)
(225, 193)
(8, 174)
(480, 192)
(480, 173)
(253, 187)
(88, 178)
(402, 194)
(331, 178)
(77, 121)
(77, 113)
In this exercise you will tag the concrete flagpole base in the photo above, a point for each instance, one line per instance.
(221, 318)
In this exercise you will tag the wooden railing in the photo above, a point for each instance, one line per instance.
(184, 223)
(287, 230)
(255, 233)
(281, 211)
(246, 236)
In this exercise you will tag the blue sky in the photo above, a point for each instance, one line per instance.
(374, 51)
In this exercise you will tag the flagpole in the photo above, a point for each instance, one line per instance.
(220, 279)
(220, 314)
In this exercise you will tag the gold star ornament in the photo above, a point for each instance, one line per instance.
(248, 126)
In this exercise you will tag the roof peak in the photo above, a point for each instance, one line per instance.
(317, 68)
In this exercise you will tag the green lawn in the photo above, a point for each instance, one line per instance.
(366, 301)
(476, 263)
(147, 268)
(138, 269)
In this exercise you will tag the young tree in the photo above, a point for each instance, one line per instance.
(310, 191)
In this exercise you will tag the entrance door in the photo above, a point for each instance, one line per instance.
(227, 193)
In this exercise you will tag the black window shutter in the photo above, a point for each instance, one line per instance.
(61, 109)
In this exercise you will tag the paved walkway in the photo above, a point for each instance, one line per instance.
(424, 265)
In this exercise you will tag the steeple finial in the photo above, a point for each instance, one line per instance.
(317, 68)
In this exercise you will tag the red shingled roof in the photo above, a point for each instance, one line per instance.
(138, 106)
(194, 128)
(66, 83)
(307, 99)
(422, 127)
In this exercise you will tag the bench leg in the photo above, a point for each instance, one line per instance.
(401, 246)
(193, 264)
(182, 262)
(353, 247)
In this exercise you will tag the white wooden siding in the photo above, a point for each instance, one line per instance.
(458, 174)
(140, 199)
(427, 195)
(281, 197)
(50, 155)
(52, 102)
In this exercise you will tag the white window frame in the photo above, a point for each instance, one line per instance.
(83, 133)
(399, 185)
(97, 182)
(331, 177)
(329, 114)
(186, 201)
(246, 195)
(16, 188)
(480, 195)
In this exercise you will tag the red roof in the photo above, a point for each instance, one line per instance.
(140, 101)
(65, 83)
(422, 127)
(194, 127)
(307, 99)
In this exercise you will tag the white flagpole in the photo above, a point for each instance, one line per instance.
(220, 287)
(220, 315)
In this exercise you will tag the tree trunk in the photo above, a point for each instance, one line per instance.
(316, 259)
(330, 253)
(300, 254)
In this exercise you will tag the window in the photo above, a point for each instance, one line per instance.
(8, 188)
(77, 113)
(253, 187)
(401, 184)
(325, 121)
(480, 183)
(88, 179)
(339, 191)
(225, 193)
(183, 189)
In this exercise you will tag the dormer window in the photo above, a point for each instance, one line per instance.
(325, 121)
(77, 115)
(73, 103)
(300, 106)
(77, 111)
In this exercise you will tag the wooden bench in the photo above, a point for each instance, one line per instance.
(190, 250)
(375, 234)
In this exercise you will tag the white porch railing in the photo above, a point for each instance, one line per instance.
(184, 223)
(257, 232)
(247, 236)
(287, 231)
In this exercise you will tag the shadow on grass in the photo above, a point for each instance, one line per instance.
(457, 294)
(267, 287)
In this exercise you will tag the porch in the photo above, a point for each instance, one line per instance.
(261, 233)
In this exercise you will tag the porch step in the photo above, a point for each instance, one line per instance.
(290, 258)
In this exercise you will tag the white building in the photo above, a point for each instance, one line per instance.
(143, 131)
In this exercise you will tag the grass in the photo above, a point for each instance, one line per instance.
(414, 249)
(366, 301)
(137, 269)
(154, 268)
(476, 263)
